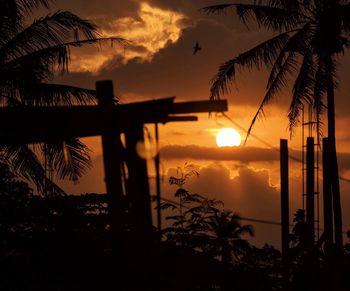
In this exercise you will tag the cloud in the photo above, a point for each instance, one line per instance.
(249, 193)
(242, 154)
(150, 30)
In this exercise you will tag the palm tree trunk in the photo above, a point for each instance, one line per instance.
(333, 156)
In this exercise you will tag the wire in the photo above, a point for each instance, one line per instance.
(270, 145)
(251, 219)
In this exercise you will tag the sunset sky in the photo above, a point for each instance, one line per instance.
(160, 63)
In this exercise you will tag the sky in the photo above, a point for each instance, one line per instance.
(159, 63)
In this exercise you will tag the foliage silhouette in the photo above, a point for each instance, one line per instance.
(30, 55)
(204, 226)
(309, 37)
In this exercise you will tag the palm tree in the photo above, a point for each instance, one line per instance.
(225, 235)
(309, 36)
(30, 55)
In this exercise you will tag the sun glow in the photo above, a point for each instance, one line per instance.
(228, 137)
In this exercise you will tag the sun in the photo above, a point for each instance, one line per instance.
(228, 137)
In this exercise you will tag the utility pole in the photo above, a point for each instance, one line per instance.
(284, 173)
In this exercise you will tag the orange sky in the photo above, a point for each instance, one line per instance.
(160, 63)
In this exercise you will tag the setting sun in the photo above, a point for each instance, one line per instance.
(228, 137)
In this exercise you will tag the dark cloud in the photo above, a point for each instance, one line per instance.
(242, 154)
(100, 10)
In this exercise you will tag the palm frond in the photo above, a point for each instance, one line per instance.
(263, 54)
(274, 15)
(44, 94)
(27, 6)
(298, 42)
(25, 163)
(302, 90)
(276, 85)
(271, 17)
(217, 8)
(70, 159)
(11, 20)
(344, 14)
(42, 63)
(56, 29)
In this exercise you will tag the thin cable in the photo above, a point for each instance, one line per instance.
(271, 146)
(251, 219)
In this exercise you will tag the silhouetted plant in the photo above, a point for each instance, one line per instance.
(308, 38)
(204, 225)
(347, 245)
(15, 198)
(30, 55)
(225, 233)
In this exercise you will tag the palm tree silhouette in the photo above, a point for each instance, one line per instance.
(30, 55)
(309, 36)
(225, 235)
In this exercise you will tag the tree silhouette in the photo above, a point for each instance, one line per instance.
(202, 224)
(30, 55)
(225, 233)
(309, 37)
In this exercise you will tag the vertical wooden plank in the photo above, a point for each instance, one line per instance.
(284, 173)
(157, 163)
(327, 198)
(310, 193)
(137, 184)
(112, 155)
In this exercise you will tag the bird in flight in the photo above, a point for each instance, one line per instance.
(196, 48)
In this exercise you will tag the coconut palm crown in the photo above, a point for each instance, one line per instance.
(309, 36)
(30, 55)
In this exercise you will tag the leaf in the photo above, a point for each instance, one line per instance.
(71, 158)
(264, 53)
(166, 205)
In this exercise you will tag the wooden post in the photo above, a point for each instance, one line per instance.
(327, 198)
(157, 162)
(137, 184)
(112, 155)
(284, 172)
(310, 193)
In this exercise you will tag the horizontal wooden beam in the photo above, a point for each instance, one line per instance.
(38, 124)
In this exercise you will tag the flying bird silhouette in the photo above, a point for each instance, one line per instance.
(196, 48)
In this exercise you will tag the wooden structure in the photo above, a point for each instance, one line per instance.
(310, 193)
(327, 200)
(284, 174)
(43, 124)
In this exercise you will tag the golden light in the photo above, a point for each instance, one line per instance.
(228, 137)
(150, 31)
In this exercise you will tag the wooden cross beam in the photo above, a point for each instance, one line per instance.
(23, 125)
(39, 124)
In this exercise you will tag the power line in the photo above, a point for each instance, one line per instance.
(271, 146)
(251, 219)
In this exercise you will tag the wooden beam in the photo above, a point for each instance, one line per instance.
(38, 124)
(112, 158)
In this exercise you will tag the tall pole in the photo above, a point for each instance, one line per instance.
(157, 162)
(112, 156)
(327, 198)
(137, 185)
(310, 193)
(284, 172)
